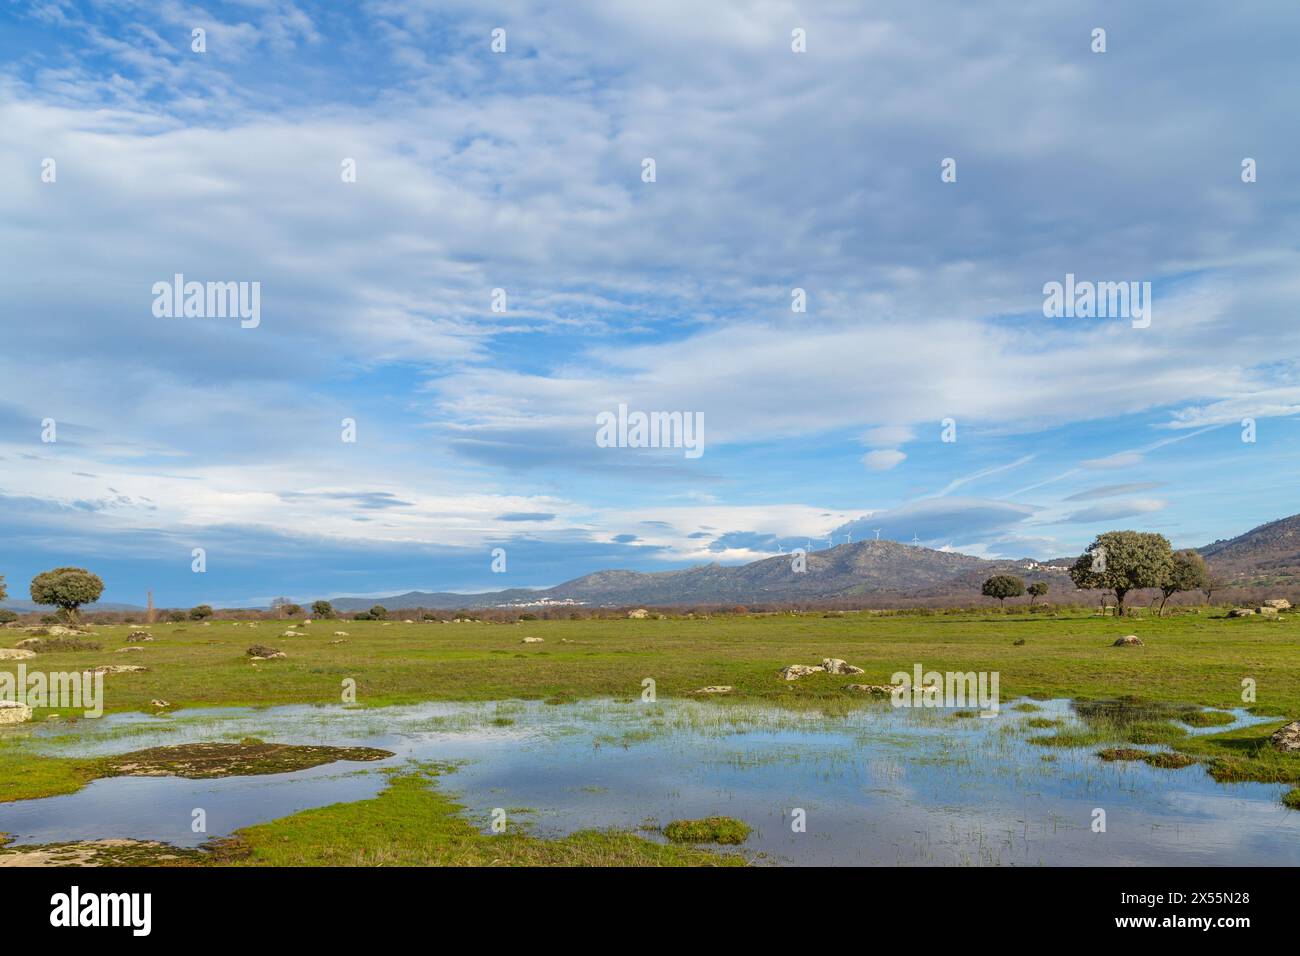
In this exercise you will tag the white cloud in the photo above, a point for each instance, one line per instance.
(883, 459)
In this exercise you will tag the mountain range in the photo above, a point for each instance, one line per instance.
(1268, 556)
(885, 571)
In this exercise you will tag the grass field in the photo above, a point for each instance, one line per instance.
(1188, 659)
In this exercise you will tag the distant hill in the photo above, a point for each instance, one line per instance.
(845, 571)
(1267, 555)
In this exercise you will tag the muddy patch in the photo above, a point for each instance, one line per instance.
(100, 853)
(248, 758)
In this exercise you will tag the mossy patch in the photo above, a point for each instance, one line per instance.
(1208, 718)
(248, 758)
(723, 830)
(1163, 760)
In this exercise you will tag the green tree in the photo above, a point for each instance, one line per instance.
(200, 612)
(291, 610)
(67, 589)
(1038, 589)
(379, 613)
(1003, 586)
(3, 593)
(1187, 572)
(322, 609)
(1123, 561)
(6, 616)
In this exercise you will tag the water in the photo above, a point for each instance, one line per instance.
(880, 786)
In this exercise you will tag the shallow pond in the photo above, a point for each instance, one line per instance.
(879, 786)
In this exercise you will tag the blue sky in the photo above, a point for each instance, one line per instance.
(521, 170)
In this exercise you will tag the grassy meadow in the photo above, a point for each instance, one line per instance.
(1190, 661)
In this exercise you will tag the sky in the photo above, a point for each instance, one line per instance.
(502, 269)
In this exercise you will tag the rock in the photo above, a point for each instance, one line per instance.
(339, 641)
(15, 654)
(1287, 739)
(128, 650)
(1279, 604)
(120, 669)
(260, 652)
(340, 633)
(137, 637)
(12, 712)
(408, 622)
(1131, 641)
(1266, 611)
(879, 690)
(714, 689)
(58, 630)
(795, 671)
(833, 665)
(160, 704)
(29, 643)
(639, 614)
(1241, 612)
(291, 634)
(252, 624)
(533, 640)
(306, 622)
(1019, 643)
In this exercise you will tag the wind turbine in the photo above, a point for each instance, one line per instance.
(915, 539)
(877, 530)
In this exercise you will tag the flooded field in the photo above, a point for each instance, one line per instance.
(879, 786)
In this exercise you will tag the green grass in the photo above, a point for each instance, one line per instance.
(722, 830)
(1190, 662)
(1197, 659)
(412, 824)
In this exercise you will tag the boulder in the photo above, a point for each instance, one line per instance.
(340, 633)
(260, 652)
(795, 671)
(1279, 604)
(639, 614)
(1265, 611)
(1131, 640)
(1242, 612)
(12, 712)
(57, 630)
(128, 650)
(291, 634)
(159, 703)
(714, 689)
(833, 665)
(138, 637)
(120, 669)
(533, 640)
(1287, 739)
(877, 690)
(15, 654)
